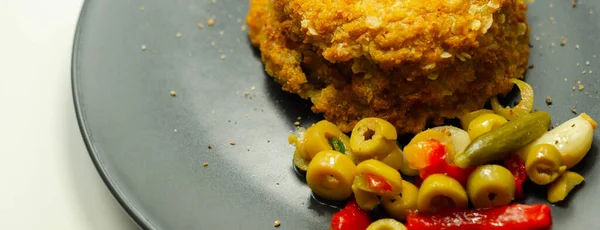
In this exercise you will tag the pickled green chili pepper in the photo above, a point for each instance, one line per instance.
(500, 142)
(337, 145)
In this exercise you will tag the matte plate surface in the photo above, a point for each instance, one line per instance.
(150, 147)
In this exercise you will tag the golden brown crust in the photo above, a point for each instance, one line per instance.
(411, 62)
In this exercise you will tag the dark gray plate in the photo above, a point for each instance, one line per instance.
(150, 147)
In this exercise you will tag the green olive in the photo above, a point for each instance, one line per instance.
(559, 190)
(330, 175)
(376, 177)
(484, 124)
(467, 118)
(440, 192)
(401, 205)
(544, 164)
(300, 162)
(366, 200)
(405, 169)
(491, 186)
(373, 138)
(386, 224)
(395, 159)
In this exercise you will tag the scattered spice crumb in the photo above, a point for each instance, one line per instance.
(252, 88)
(246, 94)
(536, 109)
(277, 223)
(173, 93)
(221, 32)
(574, 3)
(142, 8)
(200, 25)
(232, 143)
(210, 22)
(573, 110)
(587, 63)
(574, 88)
(243, 28)
(239, 20)
(174, 130)
(210, 147)
(144, 47)
(579, 85)
(298, 118)
(248, 148)
(583, 72)
(573, 125)
(222, 57)
(277, 183)
(576, 46)
(213, 1)
(531, 66)
(178, 34)
(563, 41)
(297, 123)
(205, 164)
(577, 64)
(268, 141)
(548, 100)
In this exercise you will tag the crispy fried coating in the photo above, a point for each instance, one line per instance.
(411, 62)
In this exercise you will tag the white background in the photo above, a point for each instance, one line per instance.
(47, 179)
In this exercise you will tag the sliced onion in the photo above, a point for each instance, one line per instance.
(524, 107)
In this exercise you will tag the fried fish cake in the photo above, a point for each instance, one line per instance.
(411, 62)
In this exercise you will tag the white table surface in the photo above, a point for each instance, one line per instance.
(47, 179)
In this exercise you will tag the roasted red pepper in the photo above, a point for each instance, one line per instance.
(517, 167)
(423, 154)
(439, 165)
(451, 170)
(350, 218)
(458, 173)
(512, 217)
(437, 153)
(377, 182)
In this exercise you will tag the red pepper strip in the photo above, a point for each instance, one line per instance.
(377, 182)
(512, 217)
(437, 153)
(459, 174)
(517, 167)
(436, 159)
(451, 170)
(350, 218)
(438, 165)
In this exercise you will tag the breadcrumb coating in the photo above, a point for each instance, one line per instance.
(411, 62)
